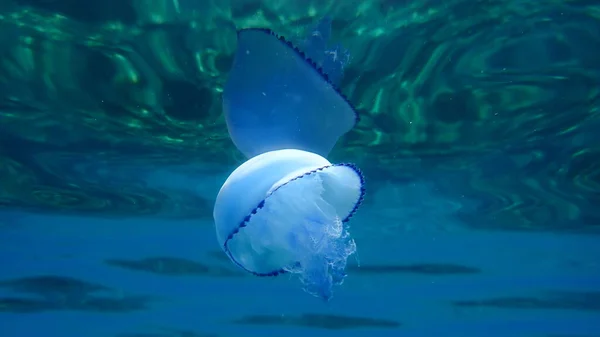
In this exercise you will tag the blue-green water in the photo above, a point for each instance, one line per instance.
(477, 140)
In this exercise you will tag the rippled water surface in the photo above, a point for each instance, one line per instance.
(478, 139)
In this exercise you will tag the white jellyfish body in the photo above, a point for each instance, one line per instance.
(286, 211)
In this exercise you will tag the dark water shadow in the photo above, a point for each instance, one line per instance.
(550, 300)
(173, 266)
(59, 293)
(419, 268)
(320, 321)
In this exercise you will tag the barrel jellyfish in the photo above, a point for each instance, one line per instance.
(286, 209)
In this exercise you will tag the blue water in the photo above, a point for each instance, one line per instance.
(478, 141)
(510, 264)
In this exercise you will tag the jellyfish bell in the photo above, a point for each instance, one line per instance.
(286, 211)
(276, 98)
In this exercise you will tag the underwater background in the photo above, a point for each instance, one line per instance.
(478, 140)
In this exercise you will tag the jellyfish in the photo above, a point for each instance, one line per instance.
(332, 58)
(276, 97)
(286, 209)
